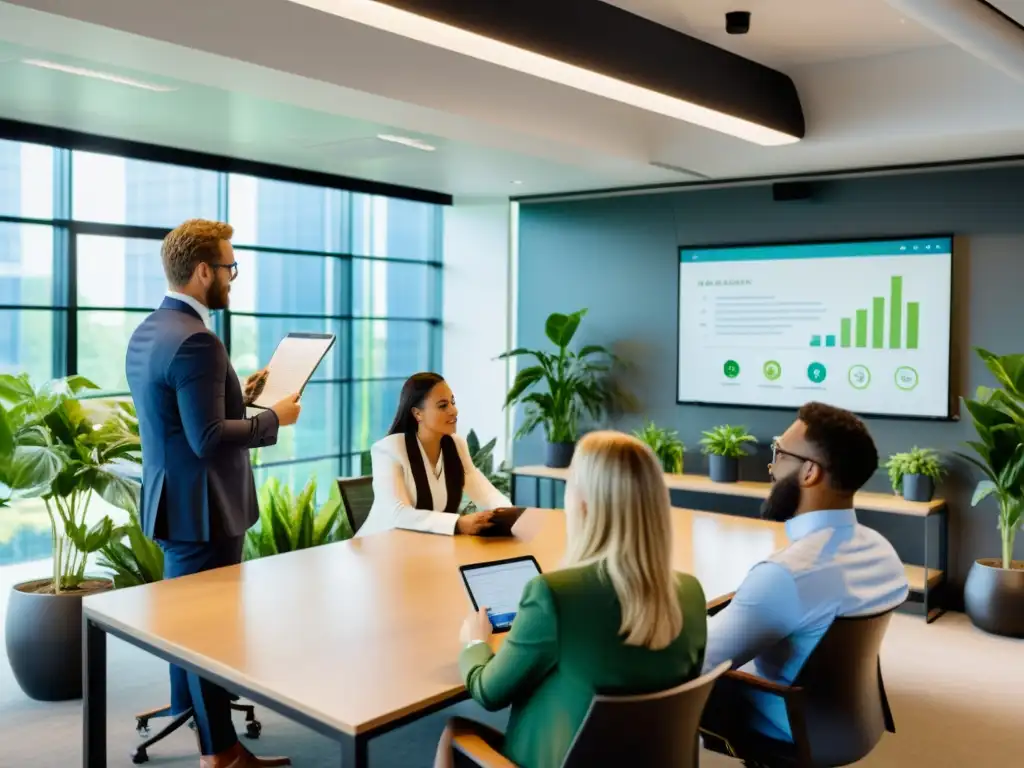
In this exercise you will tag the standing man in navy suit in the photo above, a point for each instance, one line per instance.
(198, 493)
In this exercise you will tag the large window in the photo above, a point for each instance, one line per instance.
(80, 268)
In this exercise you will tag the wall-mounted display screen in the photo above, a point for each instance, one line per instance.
(862, 325)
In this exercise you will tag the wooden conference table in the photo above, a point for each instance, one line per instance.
(357, 638)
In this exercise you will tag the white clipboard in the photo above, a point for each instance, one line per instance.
(292, 366)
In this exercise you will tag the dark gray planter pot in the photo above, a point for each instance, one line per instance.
(559, 455)
(44, 642)
(918, 488)
(723, 469)
(994, 597)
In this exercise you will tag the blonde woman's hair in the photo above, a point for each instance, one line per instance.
(627, 529)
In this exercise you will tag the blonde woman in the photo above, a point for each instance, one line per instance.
(616, 619)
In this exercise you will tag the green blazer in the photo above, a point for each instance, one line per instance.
(564, 647)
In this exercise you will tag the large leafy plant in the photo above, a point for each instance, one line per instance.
(483, 459)
(665, 444)
(998, 416)
(563, 385)
(726, 440)
(51, 448)
(288, 522)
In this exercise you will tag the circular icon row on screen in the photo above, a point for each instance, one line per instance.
(858, 376)
(772, 371)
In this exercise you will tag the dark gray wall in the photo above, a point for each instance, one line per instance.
(618, 257)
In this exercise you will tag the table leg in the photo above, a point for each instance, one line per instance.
(94, 693)
(354, 753)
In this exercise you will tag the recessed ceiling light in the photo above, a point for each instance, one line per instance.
(406, 141)
(111, 78)
(517, 181)
(414, 26)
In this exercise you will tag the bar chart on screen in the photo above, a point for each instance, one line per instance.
(864, 325)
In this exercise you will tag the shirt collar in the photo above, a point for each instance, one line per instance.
(809, 522)
(201, 309)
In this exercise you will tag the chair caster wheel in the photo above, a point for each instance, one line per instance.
(192, 724)
(142, 726)
(140, 756)
(253, 729)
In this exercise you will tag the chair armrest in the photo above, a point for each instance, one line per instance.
(760, 684)
(472, 746)
(792, 696)
(719, 603)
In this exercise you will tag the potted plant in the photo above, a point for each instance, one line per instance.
(665, 444)
(288, 522)
(915, 473)
(561, 387)
(50, 448)
(724, 445)
(994, 592)
(482, 457)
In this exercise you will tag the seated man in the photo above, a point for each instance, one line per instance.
(832, 567)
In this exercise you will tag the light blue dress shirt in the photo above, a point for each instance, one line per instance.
(832, 567)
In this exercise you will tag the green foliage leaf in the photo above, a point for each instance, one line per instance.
(665, 444)
(560, 328)
(984, 489)
(726, 440)
(6, 436)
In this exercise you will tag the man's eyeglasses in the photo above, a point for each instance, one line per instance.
(232, 268)
(778, 452)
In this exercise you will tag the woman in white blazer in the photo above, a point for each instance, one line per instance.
(422, 468)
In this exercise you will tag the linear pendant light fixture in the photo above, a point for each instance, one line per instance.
(603, 50)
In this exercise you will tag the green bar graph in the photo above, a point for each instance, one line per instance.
(904, 323)
(913, 315)
(895, 312)
(878, 322)
(815, 341)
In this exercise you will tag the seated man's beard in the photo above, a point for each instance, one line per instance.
(783, 500)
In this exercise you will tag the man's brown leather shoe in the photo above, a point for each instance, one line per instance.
(239, 757)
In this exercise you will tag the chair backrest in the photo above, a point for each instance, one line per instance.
(844, 704)
(357, 499)
(648, 731)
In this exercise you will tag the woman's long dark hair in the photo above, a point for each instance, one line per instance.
(414, 394)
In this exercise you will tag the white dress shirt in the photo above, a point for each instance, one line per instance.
(201, 309)
(394, 490)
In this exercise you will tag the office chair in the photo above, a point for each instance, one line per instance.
(647, 731)
(837, 705)
(357, 499)
(253, 727)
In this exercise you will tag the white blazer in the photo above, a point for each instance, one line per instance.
(394, 490)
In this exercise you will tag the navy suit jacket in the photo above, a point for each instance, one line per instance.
(197, 482)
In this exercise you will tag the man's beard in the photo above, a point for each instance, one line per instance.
(216, 297)
(783, 500)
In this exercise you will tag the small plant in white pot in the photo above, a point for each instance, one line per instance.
(724, 445)
(915, 473)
